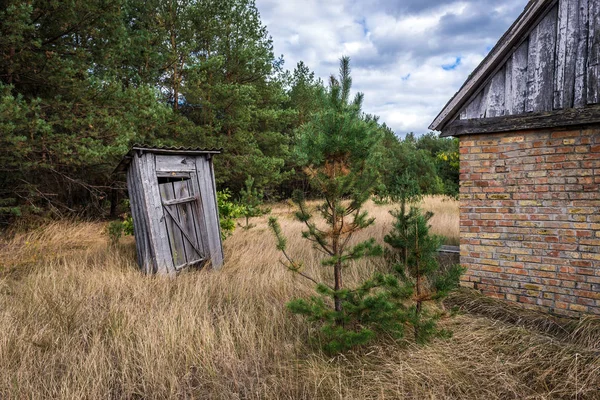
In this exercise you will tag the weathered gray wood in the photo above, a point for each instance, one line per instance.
(140, 217)
(195, 250)
(139, 237)
(199, 211)
(566, 51)
(210, 210)
(580, 87)
(163, 174)
(593, 90)
(219, 242)
(540, 69)
(473, 109)
(177, 151)
(156, 227)
(569, 117)
(173, 217)
(533, 12)
(483, 106)
(175, 163)
(176, 239)
(508, 87)
(532, 70)
(449, 249)
(495, 95)
(176, 221)
(518, 77)
(561, 53)
(176, 201)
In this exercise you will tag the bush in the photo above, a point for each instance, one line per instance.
(229, 211)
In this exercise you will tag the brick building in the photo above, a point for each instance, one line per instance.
(528, 120)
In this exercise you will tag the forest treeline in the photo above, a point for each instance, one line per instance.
(82, 81)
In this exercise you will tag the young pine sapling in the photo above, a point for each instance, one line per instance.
(251, 199)
(414, 258)
(335, 145)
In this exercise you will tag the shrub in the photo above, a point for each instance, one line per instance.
(229, 211)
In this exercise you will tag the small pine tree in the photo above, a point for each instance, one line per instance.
(415, 263)
(335, 145)
(251, 199)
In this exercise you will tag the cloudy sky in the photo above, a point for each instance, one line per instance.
(407, 56)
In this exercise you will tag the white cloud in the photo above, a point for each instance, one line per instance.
(389, 41)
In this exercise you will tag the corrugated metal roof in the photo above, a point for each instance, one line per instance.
(142, 148)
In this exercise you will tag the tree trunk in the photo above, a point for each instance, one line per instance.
(113, 202)
(337, 269)
(418, 274)
(338, 286)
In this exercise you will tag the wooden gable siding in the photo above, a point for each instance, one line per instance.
(556, 66)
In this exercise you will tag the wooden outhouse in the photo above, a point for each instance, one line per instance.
(528, 120)
(174, 207)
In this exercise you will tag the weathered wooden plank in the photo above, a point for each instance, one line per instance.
(183, 175)
(139, 239)
(472, 110)
(580, 87)
(150, 260)
(175, 163)
(176, 239)
(210, 210)
(449, 249)
(569, 117)
(195, 251)
(198, 213)
(156, 227)
(508, 87)
(532, 70)
(176, 201)
(518, 75)
(561, 53)
(176, 151)
(220, 255)
(142, 235)
(533, 11)
(540, 69)
(566, 50)
(483, 106)
(593, 80)
(495, 95)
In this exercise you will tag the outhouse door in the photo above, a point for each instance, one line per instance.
(182, 208)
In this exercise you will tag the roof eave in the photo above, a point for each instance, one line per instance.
(140, 149)
(534, 10)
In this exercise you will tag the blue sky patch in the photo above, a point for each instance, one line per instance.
(363, 23)
(453, 66)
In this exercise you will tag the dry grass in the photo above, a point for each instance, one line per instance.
(445, 220)
(77, 320)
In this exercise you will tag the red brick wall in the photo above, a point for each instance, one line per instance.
(530, 217)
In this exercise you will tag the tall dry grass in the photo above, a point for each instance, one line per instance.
(78, 321)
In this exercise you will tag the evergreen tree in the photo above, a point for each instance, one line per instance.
(335, 145)
(251, 199)
(231, 91)
(415, 263)
(68, 110)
